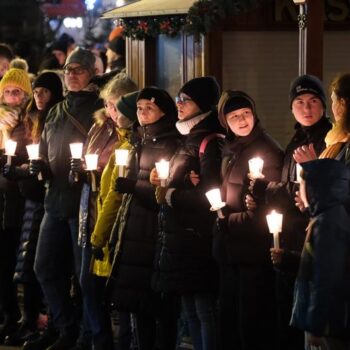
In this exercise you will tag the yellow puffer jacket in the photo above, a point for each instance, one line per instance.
(108, 203)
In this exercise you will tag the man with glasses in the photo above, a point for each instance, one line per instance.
(58, 252)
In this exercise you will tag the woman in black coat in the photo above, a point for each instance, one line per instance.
(242, 240)
(184, 263)
(130, 290)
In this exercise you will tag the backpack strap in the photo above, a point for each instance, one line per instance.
(206, 140)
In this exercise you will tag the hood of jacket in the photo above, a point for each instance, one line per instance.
(327, 184)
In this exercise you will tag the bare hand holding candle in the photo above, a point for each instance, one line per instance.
(76, 150)
(214, 198)
(91, 165)
(121, 159)
(255, 168)
(10, 149)
(33, 154)
(163, 171)
(274, 221)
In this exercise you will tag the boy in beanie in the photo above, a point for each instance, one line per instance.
(307, 102)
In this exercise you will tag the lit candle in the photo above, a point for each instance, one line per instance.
(298, 170)
(33, 153)
(214, 198)
(91, 161)
(255, 168)
(91, 165)
(121, 159)
(10, 149)
(163, 171)
(76, 149)
(274, 221)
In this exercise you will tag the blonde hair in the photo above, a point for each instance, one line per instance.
(120, 85)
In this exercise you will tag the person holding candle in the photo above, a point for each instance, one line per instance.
(129, 287)
(109, 202)
(58, 253)
(184, 265)
(102, 140)
(322, 289)
(308, 105)
(15, 94)
(47, 91)
(241, 238)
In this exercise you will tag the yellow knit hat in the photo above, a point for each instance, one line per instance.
(18, 78)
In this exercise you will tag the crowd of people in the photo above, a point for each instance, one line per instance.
(84, 241)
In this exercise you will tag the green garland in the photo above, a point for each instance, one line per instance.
(202, 16)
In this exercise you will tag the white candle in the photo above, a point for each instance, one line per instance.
(121, 159)
(91, 161)
(10, 149)
(274, 221)
(33, 151)
(298, 170)
(255, 167)
(214, 198)
(163, 171)
(76, 150)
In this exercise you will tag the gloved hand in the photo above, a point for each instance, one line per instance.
(97, 252)
(125, 185)
(37, 166)
(76, 165)
(160, 194)
(12, 172)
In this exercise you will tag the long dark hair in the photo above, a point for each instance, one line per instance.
(341, 87)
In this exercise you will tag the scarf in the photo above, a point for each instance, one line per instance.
(184, 126)
(335, 140)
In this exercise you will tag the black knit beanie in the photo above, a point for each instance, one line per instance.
(204, 91)
(117, 45)
(52, 82)
(238, 100)
(160, 97)
(307, 84)
(127, 105)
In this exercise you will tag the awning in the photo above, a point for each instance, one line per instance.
(144, 8)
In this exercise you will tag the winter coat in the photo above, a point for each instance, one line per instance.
(108, 203)
(322, 289)
(281, 195)
(245, 238)
(130, 281)
(184, 263)
(34, 212)
(62, 200)
(101, 140)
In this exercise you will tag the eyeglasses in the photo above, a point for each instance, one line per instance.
(182, 99)
(75, 71)
(16, 92)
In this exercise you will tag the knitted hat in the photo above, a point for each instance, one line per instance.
(52, 82)
(204, 91)
(117, 45)
(307, 84)
(18, 78)
(60, 45)
(117, 31)
(83, 57)
(238, 100)
(127, 105)
(160, 97)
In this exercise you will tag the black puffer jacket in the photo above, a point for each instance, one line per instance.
(62, 200)
(130, 281)
(246, 238)
(184, 262)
